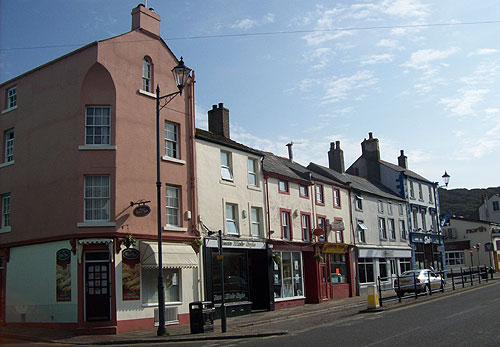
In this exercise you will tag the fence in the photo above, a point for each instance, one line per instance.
(415, 284)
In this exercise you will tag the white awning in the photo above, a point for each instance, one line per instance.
(174, 255)
(362, 226)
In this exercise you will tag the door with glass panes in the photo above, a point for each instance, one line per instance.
(97, 294)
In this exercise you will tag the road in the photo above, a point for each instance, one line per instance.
(469, 318)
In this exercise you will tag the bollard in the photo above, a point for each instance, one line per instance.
(373, 302)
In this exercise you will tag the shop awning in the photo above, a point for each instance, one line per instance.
(174, 255)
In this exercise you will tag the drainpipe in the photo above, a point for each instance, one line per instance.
(355, 251)
(268, 213)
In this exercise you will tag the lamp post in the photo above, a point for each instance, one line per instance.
(181, 74)
(446, 178)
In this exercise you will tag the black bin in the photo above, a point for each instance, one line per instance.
(201, 316)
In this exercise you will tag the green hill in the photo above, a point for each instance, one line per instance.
(464, 202)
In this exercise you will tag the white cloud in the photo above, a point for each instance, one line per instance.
(464, 105)
(249, 23)
(422, 58)
(377, 58)
(340, 88)
(388, 43)
(320, 57)
(484, 51)
(337, 113)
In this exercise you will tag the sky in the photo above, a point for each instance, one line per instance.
(422, 76)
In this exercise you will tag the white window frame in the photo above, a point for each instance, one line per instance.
(91, 128)
(149, 286)
(12, 97)
(103, 198)
(412, 190)
(286, 220)
(361, 231)
(306, 227)
(401, 209)
(146, 75)
(226, 168)
(9, 145)
(358, 202)
(256, 221)
(320, 193)
(391, 226)
(457, 256)
(283, 186)
(303, 191)
(6, 199)
(336, 197)
(252, 172)
(382, 227)
(389, 208)
(402, 229)
(231, 218)
(414, 213)
(380, 206)
(420, 192)
(171, 140)
(431, 198)
(173, 205)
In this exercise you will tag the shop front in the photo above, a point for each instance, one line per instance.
(428, 250)
(336, 271)
(247, 275)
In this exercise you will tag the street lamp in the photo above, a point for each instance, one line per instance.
(181, 74)
(446, 178)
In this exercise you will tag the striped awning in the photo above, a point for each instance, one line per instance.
(174, 255)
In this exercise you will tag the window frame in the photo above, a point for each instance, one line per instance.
(420, 192)
(382, 228)
(380, 206)
(412, 190)
(11, 98)
(169, 207)
(389, 208)
(5, 203)
(174, 142)
(305, 232)
(401, 209)
(391, 231)
(150, 288)
(361, 230)
(258, 223)
(402, 230)
(457, 260)
(431, 198)
(105, 129)
(234, 220)
(424, 222)
(337, 203)
(358, 202)
(495, 205)
(338, 232)
(322, 218)
(319, 194)
(226, 168)
(288, 214)
(106, 199)
(252, 173)
(9, 146)
(147, 79)
(286, 186)
(306, 195)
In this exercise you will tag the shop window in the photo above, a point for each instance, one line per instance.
(338, 268)
(236, 287)
(287, 276)
(172, 279)
(382, 269)
(365, 270)
(404, 264)
(455, 258)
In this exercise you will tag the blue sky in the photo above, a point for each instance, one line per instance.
(433, 91)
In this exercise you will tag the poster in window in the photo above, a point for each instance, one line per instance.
(131, 274)
(63, 275)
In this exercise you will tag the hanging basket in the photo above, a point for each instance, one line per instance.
(129, 241)
(196, 244)
(319, 257)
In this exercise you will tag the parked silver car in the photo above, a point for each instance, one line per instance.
(423, 280)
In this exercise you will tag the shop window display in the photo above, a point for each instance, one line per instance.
(236, 287)
(287, 275)
(338, 268)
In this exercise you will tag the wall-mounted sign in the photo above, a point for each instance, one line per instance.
(236, 244)
(142, 210)
(334, 248)
(478, 229)
(318, 232)
(131, 274)
(63, 275)
(338, 225)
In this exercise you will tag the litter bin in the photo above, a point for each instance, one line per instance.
(201, 316)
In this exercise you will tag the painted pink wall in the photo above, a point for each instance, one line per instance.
(46, 181)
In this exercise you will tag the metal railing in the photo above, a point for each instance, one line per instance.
(390, 288)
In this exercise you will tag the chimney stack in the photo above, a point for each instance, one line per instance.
(145, 19)
(218, 120)
(371, 153)
(336, 157)
(290, 151)
(403, 160)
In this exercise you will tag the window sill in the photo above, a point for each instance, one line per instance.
(8, 163)
(256, 188)
(173, 228)
(95, 224)
(143, 92)
(173, 160)
(5, 230)
(7, 110)
(227, 183)
(173, 303)
(97, 148)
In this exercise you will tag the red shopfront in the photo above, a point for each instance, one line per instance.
(332, 266)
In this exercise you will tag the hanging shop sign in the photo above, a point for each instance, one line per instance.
(338, 225)
(142, 211)
(318, 232)
(63, 275)
(131, 274)
(334, 247)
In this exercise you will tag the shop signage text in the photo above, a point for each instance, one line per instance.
(237, 244)
(334, 248)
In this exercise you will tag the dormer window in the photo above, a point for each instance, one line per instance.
(146, 75)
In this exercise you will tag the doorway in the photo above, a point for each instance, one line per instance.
(97, 293)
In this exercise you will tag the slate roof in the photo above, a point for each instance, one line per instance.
(224, 141)
(409, 173)
(281, 166)
(357, 183)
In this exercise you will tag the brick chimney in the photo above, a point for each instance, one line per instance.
(218, 120)
(371, 152)
(403, 160)
(336, 157)
(145, 19)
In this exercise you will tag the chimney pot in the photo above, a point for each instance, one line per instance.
(218, 120)
(370, 135)
(336, 157)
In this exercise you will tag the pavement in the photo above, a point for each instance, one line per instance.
(254, 325)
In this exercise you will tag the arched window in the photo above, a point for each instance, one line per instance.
(146, 75)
